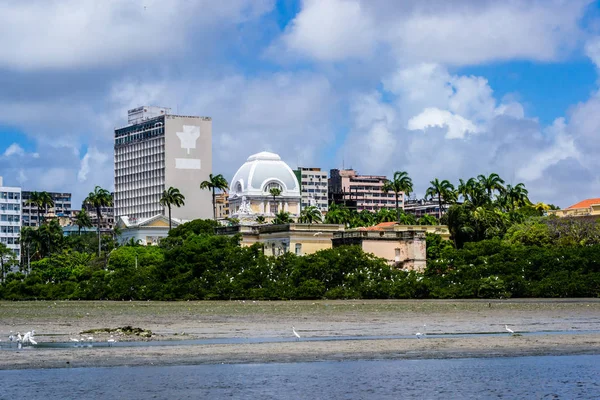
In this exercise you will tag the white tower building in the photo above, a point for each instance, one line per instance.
(10, 217)
(158, 150)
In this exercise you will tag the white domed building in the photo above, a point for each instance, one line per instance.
(249, 191)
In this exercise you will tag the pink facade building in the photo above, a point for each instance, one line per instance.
(362, 192)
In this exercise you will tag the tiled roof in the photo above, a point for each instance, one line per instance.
(585, 203)
(381, 226)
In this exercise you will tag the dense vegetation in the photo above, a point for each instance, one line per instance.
(501, 247)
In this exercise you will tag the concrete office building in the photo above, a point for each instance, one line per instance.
(313, 188)
(361, 192)
(155, 151)
(62, 208)
(10, 217)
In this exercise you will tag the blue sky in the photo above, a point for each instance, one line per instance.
(436, 89)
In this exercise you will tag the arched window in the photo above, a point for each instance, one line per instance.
(272, 185)
(238, 187)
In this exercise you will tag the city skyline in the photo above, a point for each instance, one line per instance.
(507, 88)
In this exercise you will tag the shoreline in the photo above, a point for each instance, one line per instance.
(577, 319)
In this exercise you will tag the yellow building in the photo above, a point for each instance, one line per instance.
(222, 205)
(300, 239)
(249, 193)
(585, 208)
(145, 231)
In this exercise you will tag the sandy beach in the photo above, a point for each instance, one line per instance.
(566, 326)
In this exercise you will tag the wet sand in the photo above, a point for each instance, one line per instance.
(577, 320)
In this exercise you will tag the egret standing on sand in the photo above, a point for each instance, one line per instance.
(509, 330)
(295, 333)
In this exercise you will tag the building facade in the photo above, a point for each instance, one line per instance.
(361, 192)
(587, 209)
(146, 231)
(313, 188)
(158, 150)
(62, 208)
(300, 239)
(10, 217)
(222, 205)
(250, 191)
(419, 208)
(108, 217)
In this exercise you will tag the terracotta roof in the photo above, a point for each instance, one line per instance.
(381, 226)
(585, 203)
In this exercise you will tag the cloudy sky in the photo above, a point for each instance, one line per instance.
(437, 88)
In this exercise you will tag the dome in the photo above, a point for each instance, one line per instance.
(261, 172)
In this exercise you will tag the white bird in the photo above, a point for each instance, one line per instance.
(11, 337)
(419, 334)
(19, 338)
(508, 329)
(111, 341)
(28, 337)
(318, 233)
(74, 340)
(295, 333)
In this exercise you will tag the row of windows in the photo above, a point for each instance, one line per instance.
(134, 137)
(142, 160)
(159, 165)
(10, 240)
(10, 207)
(305, 183)
(10, 229)
(143, 149)
(10, 196)
(141, 127)
(139, 176)
(10, 218)
(323, 176)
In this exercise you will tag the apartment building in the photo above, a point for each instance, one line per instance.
(62, 208)
(158, 150)
(361, 192)
(425, 207)
(313, 188)
(10, 217)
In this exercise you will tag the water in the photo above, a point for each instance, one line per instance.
(549, 377)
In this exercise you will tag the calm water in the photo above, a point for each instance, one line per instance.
(564, 377)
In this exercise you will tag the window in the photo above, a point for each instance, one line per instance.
(272, 185)
(298, 249)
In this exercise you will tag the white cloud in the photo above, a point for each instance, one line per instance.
(14, 149)
(74, 33)
(96, 161)
(458, 32)
(331, 30)
(592, 50)
(457, 126)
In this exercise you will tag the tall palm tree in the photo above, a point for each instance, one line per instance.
(444, 191)
(213, 183)
(401, 183)
(385, 215)
(491, 183)
(337, 215)
(172, 197)
(99, 198)
(83, 220)
(275, 192)
(310, 214)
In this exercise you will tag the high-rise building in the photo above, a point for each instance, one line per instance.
(62, 208)
(10, 217)
(313, 187)
(158, 150)
(361, 192)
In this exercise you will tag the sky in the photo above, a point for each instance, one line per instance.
(439, 89)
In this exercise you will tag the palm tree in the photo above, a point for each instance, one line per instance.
(444, 191)
(99, 198)
(400, 183)
(427, 220)
(283, 218)
(516, 196)
(213, 183)
(491, 183)
(41, 200)
(261, 220)
(385, 215)
(83, 220)
(337, 215)
(172, 197)
(310, 214)
(275, 192)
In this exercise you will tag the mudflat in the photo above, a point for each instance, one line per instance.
(387, 329)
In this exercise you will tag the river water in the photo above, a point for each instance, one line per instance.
(540, 377)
